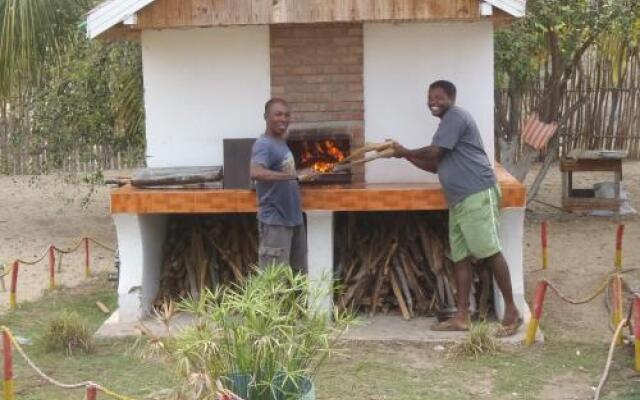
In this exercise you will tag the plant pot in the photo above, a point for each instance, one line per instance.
(304, 390)
(239, 384)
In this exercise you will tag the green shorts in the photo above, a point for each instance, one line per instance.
(474, 224)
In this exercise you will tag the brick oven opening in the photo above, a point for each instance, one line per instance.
(321, 151)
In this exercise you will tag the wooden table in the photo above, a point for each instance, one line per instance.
(580, 200)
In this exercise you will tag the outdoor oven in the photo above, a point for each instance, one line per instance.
(320, 150)
(351, 75)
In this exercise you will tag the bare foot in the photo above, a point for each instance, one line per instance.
(453, 324)
(511, 316)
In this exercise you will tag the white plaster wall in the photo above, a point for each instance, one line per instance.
(320, 254)
(202, 85)
(512, 237)
(140, 239)
(400, 61)
(153, 230)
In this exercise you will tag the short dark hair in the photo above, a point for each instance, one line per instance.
(271, 102)
(448, 87)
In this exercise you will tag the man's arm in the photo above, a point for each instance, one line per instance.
(425, 158)
(426, 165)
(260, 173)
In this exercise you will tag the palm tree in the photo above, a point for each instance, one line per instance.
(39, 40)
(34, 33)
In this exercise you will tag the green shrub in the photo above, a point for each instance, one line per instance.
(262, 331)
(68, 332)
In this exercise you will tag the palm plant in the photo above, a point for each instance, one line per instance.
(45, 54)
(262, 338)
(32, 34)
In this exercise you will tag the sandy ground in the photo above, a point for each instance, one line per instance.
(582, 252)
(38, 211)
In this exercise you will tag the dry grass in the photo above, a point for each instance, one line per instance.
(69, 332)
(479, 342)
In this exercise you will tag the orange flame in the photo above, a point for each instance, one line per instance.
(321, 156)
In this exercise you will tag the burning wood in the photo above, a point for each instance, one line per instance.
(321, 156)
(206, 251)
(397, 261)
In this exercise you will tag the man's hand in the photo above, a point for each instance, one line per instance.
(399, 151)
(307, 175)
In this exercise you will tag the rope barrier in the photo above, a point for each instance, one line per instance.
(104, 246)
(71, 249)
(598, 291)
(51, 252)
(44, 254)
(612, 348)
(9, 341)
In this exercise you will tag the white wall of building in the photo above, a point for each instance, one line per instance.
(202, 85)
(140, 239)
(400, 60)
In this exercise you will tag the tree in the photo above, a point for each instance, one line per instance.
(543, 51)
(33, 33)
(65, 90)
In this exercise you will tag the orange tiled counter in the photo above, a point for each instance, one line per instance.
(355, 197)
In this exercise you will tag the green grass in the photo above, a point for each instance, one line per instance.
(366, 371)
(111, 363)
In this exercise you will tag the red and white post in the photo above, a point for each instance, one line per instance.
(14, 285)
(87, 258)
(52, 267)
(7, 353)
(636, 330)
(92, 392)
(538, 305)
(543, 240)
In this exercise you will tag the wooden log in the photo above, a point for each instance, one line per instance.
(398, 294)
(405, 288)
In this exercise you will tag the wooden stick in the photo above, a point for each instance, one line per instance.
(103, 307)
(405, 288)
(398, 294)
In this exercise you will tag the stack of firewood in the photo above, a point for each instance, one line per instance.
(389, 261)
(205, 251)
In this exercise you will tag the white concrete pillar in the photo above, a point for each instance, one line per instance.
(140, 239)
(320, 242)
(512, 236)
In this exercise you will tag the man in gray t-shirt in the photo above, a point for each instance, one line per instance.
(457, 155)
(283, 238)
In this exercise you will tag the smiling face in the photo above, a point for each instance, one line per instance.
(278, 117)
(439, 101)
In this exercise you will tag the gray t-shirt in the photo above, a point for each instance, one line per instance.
(278, 201)
(465, 168)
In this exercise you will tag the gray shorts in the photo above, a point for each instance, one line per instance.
(283, 245)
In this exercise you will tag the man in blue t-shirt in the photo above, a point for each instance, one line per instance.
(283, 237)
(457, 155)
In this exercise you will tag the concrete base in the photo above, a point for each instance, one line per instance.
(115, 327)
(382, 328)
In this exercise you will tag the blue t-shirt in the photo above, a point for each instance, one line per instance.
(278, 201)
(465, 168)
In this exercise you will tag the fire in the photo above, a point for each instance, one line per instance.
(320, 166)
(321, 156)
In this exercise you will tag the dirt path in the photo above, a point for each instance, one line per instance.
(36, 211)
